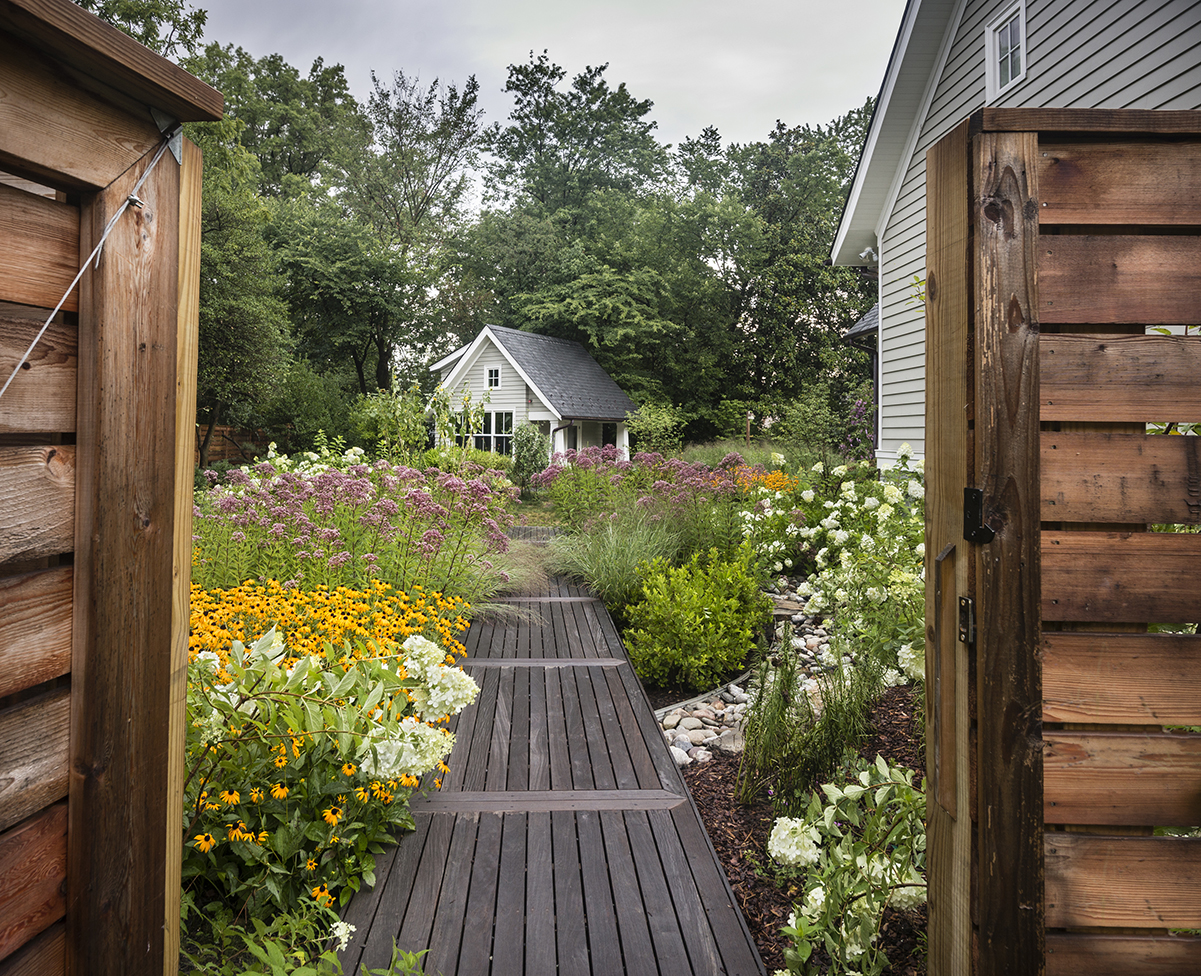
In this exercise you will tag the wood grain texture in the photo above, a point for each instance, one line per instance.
(1138, 279)
(1070, 954)
(1106, 378)
(33, 864)
(1136, 679)
(1133, 882)
(42, 395)
(1009, 684)
(1084, 120)
(1119, 183)
(34, 737)
(41, 251)
(1122, 778)
(1103, 577)
(949, 467)
(59, 133)
(121, 668)
(35, 628)
(1108, 477)
(38, 515)
(45, 955)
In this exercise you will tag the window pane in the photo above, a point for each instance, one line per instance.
(504, 422)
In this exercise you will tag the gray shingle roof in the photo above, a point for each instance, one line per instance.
(866, 325)
(567, 375)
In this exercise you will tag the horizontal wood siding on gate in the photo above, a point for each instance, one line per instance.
(1134, 882)
(38, 515)
(1119, 183)
(1107, 477)
(1143, 378)
(1140, 577)
(35, 628)
(1122, 955)
(34, 737)
(41, 250)
(1128, 279)
(41, 397)
(33, 864)
(1133, 679)
(1122, 778)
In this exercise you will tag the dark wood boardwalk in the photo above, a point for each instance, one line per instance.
(563, 841)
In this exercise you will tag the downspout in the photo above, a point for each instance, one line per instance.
(570, 423)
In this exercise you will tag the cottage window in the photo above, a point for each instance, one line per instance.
(497, 433)
(494, 379)
(1005, 45)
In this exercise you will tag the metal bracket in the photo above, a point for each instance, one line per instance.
(170, 128)
(974, 529)
(967, 621)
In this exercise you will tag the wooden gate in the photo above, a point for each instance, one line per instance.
(1061, 726)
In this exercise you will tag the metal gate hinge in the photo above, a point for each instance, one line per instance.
(974, 529)
(967, 621)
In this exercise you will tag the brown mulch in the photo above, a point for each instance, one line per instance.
(739, 834)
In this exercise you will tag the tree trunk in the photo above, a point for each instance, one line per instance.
(383, 362)
(206, 444)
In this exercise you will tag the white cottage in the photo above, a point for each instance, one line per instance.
(951, 58)
(553, 383)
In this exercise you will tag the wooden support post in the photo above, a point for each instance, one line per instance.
(1009, 683)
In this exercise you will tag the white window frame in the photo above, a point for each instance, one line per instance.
(493, 437)
(992, 50)
(493, 372)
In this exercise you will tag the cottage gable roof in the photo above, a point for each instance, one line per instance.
(560, 372)
(868, 325)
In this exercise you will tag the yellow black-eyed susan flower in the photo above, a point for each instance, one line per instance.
(279, 791)
(204, 842)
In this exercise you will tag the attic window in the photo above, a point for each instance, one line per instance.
(494, 379)
(1005, 50)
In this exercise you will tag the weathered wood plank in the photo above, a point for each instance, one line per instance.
(1009, 768)
(1146, 577)
(33, 864)
(1121, 955)
(636, 947)
(1084, 120)
(474, 757)
(684, 886)
(518, 759)
(38, 516)
(1125, 278)
(42, 395)
(571, 936)
(1136, 679)
(645, 770)
(45, 955)
(416, 923)
(508, 943)
(1122, 778)
(539, 742)
(556, 729)
(35, 628)
(497, 755)
(603, 942)
(1119, 183)
(34, 739)
(624, 776)
(546, 801)
(1110, 477)
(1107, 378)
(1133, 882)
(41, 252)
(451, 916)
(540, 948)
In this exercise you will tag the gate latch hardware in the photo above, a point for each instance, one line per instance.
(974, 529)
(967, 621)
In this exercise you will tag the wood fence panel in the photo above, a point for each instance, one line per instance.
(1122, 778)
(1072, 954)
(42, 395)
(1134, 679)
(1106, 378)
(35, 628)
(1104, 577)
(1119, 183)
(44, 956)
(34, 739)
(1132, 882)
(1108, 477)
(38, 515)
(33, 864)
(41, 249)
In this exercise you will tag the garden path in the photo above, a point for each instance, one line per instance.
(564, 839)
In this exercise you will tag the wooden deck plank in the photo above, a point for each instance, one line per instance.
(539, 772)
(496, 777)
(474, 757)
(636, 947)
(644, 764)
(519, 735)
(604, 946)
(577, 735)
(539, 898)
(600, 762)
(624, 776)
(556, 729)
(571, 937)
(475, 951)
(529, 800)
(447, 934)
(656, 898)
(703, 954)
(644, 718)
(508, 942)
(418, 920)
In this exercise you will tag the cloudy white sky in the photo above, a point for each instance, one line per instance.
(737, 64)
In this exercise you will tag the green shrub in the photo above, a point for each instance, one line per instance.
(531, 453)
(656, 427)
(696, 623)
(391, 423)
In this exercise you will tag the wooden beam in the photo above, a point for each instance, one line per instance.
(1140, 279)
(35, 628)
(1119, 183)
(41, 253)
(38, 488)
(1009, 682)
(1085, 120)
(1132, 882)
(41, 398)
(1073, 954)
(33, 864)
(1108, 378)
(1139, 577)
(121, 667)
(33, 741)
(73, 35)
(1107, 477)
(1134, 679)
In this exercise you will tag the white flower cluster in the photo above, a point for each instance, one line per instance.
(792, 842)
(912, 661)
(415, 748)
(340, 932)
(912, 892)
(442, 690)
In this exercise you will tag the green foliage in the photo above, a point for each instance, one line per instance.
(859, 850)
(531, 453)
(655, 427)
(306, 404)
(812, 429)
(390, 423)
(169, 27)
(695, 623)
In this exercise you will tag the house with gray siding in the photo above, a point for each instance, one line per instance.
(952, 57)
(552, 383)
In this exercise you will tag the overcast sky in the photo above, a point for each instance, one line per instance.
(737, 64)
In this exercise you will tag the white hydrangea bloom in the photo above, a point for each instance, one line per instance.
(912, 894)
(892, 494)
(422, 656)
(341, 933)
(871, 502)
(792, 843)
(416, 748)
(807, 494)
(839, 471)
(915, 490)
(815, 900)
(447, 691)
(912, 661)
(904, 451)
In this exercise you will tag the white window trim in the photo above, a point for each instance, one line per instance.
(488, 377)
(993, 89)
